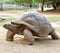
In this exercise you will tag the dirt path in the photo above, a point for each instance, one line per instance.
(16, 13)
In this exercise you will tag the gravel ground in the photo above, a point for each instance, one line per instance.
(46, 45)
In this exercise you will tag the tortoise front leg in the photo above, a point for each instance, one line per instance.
(9, 36)
(28, 36)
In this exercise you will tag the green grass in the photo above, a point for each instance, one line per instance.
(58, 29)
(54, 18)
(6, 21)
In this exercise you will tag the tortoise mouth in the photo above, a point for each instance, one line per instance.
(6, 25)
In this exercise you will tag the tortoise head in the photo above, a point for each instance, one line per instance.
(10, 27)
(7, 26)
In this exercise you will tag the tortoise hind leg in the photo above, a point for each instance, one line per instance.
(54, 35)
(9, 36)
(29, 36)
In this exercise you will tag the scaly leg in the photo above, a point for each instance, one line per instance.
(29, 36)
(9, 36)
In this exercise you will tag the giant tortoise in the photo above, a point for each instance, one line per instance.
(30, 24)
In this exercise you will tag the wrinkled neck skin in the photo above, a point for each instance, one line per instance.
(13, 28)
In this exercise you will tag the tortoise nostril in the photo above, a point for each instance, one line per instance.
(5, 25)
